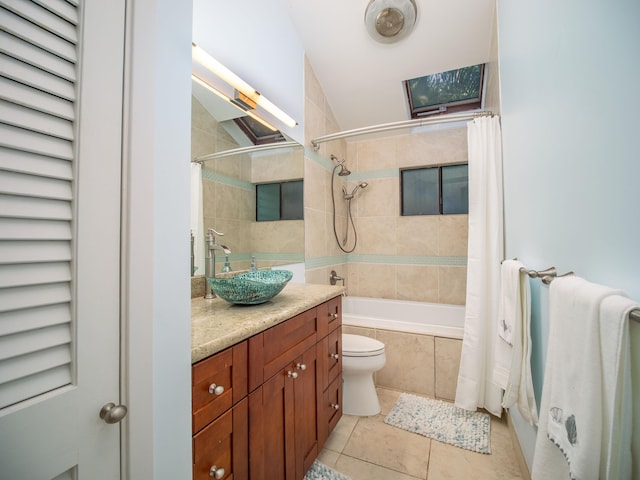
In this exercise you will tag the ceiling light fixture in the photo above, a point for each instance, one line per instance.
(217, 92)
(389, 21)
(246, 90)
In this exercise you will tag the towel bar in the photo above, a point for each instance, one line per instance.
(635, 315)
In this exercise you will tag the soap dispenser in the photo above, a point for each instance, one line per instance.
(253, 264)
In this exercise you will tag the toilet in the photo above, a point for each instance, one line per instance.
(361, 356)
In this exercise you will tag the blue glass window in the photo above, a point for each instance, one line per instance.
(279, 201)
(435, 190)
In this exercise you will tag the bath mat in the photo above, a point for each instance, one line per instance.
(441, 421)
(319, 471)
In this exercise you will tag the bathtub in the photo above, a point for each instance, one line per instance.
(439, 320)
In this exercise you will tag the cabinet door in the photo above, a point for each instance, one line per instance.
(308, 395)
(220, 449)
(271, 429)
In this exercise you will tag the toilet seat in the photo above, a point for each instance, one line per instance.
(360, 346)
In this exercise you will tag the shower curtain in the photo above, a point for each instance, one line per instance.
(197, 221)
(485, 251)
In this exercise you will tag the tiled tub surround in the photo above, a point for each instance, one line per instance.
(216, 324)
(416, 363)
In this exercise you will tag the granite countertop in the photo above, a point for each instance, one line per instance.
(216, 324)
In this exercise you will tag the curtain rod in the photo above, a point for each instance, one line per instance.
(250, 149)
(418, 122)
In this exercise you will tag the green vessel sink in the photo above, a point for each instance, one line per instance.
(250, 288)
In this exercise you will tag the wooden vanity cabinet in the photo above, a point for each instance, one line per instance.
(262, 409)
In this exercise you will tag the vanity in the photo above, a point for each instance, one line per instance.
(266, 383)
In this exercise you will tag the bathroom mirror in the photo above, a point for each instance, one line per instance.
(228, 186)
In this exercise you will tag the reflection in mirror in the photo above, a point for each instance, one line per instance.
(229, 184)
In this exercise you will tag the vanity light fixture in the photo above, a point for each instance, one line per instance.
(235, 104)
(246, 90)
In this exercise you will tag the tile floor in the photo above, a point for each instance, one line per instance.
(365, 448)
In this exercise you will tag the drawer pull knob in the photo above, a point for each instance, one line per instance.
(216, 472)
(333, 315)
(301, 366)
(216, 389)
(335, 356)
(335, 406)
(292, 374)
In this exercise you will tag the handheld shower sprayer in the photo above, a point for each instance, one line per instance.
(349, 196)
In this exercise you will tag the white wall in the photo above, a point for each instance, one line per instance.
(570, 103)
(256, 40)
(156, 216)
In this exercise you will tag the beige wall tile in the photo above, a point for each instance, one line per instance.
(315, 233)
(453, 235)
(410, 362)
(445, 145)
(376, 235)
(417, 283)
(379, 154)
(447, 366)
(365, 332)
(417, 235)
(452, 284)
(315, 185)
(312, 88)
(379, 199)
(378, 281)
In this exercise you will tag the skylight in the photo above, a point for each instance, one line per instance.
(445, 92)
(257, 133)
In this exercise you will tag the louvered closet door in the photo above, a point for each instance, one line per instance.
(61, 74)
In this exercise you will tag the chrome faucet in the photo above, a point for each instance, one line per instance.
(210, 264)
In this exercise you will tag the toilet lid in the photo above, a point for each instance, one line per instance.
(360, 346)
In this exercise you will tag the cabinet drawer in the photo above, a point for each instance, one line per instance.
(331, 410)
(222, 446)
(330, 357)
(329, 316)
(273, 349)
(218, 382)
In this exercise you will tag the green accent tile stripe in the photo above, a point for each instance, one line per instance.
(447, 261)
(220, 178)
(409, 260)
(311, 154)
(320, 262)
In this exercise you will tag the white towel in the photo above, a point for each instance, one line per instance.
(571, 411)
(615, 457)
(512, 369)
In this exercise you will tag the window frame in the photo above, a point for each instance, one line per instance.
(451, 107)
(280, 203)
(439, 167)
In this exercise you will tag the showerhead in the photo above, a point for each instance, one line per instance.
(344, 171)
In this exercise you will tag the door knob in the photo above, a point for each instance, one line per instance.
(112, 413)
(292, 374)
